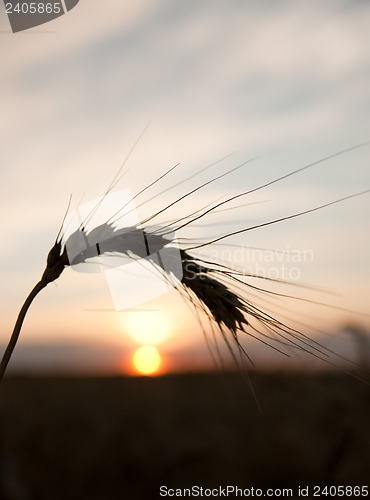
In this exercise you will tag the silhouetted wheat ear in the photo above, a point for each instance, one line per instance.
(209, 286)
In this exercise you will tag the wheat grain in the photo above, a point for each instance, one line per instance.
(210, 286)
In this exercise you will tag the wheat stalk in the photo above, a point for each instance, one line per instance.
(56, 261)
(207, 285)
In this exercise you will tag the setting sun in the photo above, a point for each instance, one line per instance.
(147, 359)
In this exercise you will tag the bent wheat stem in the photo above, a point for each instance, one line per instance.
(18, 325)
(55, 264)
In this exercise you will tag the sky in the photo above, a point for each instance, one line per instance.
(281, 83)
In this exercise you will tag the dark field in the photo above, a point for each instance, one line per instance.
(122, 438)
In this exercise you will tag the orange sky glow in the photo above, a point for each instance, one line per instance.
(285, 88)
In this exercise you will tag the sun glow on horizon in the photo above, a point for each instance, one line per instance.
(147, 327)
(147, 360)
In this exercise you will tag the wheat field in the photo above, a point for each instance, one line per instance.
(115, 438)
